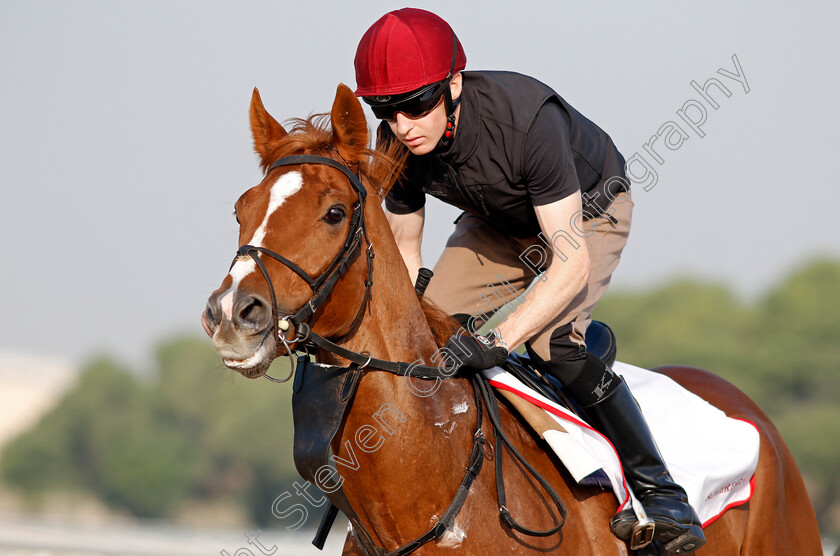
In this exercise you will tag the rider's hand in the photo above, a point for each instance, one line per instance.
(477, 352)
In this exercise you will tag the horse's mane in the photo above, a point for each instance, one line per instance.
(383, 167)
(443, 326)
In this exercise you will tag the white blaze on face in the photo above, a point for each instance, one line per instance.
(288, 184)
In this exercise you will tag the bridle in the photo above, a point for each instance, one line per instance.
(322, 286)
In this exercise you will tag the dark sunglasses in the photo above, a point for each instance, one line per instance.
(413, 105)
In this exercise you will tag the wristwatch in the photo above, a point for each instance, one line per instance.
(493, 339)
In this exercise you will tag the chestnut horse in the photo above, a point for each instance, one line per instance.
(406, 471)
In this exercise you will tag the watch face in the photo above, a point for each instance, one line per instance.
(488, 340)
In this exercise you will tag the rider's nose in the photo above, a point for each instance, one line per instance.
(402, 124)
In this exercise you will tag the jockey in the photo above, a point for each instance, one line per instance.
(545, 200)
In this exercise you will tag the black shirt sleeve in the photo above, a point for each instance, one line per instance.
(549, 165)
(405, 197)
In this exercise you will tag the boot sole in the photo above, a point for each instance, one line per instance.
(688, 542)
(622, 524)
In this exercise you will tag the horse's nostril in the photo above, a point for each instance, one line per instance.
(248, 311)
(208, 321)
(209, 317)
(253, 314)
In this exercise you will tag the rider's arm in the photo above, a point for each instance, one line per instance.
(564, 279)
(554, 188)
(408, 233)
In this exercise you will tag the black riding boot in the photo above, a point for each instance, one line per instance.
(613, 411)
(619, 418)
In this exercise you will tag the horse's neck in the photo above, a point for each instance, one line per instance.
(434, 421)
(393, 326)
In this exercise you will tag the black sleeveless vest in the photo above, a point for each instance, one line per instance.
(483, 170)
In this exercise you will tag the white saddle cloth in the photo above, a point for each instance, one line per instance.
(712, 456)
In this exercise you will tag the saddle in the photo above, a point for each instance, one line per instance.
(600, 341)
(716, 469)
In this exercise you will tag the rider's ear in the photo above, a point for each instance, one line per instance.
(349, 126)
(455, 85)
(265, 129)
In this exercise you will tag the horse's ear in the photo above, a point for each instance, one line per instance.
(264, 128)
(350, 132)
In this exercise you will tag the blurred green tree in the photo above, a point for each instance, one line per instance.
(102, 438)
(191, 431)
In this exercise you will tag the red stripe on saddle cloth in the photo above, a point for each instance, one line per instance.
(715, 467)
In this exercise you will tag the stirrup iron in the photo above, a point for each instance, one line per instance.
(643, 529)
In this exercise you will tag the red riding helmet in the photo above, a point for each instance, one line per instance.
(404, 50)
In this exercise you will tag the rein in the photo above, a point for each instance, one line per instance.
(322, 286)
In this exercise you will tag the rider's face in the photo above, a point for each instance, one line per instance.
(421, 135)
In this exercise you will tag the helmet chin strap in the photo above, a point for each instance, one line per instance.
(448, 103)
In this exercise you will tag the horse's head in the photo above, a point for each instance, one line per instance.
(294, 227)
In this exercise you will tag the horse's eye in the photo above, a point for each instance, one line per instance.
(335, 215)
(236, 216)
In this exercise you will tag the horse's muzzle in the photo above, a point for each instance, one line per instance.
(247, 313)
(238, 324)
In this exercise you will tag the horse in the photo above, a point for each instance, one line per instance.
(402, 466)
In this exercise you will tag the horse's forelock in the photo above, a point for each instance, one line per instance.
(311, 135)
(379, 169)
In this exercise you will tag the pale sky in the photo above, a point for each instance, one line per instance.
(124, 141)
